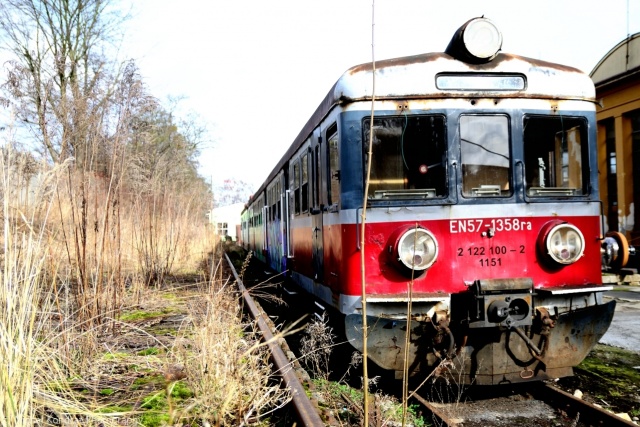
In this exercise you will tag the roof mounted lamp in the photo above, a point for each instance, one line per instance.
(478, 41)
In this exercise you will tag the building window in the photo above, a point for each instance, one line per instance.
(612, 170)
(634, 116)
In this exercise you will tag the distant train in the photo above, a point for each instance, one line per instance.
(482, 211)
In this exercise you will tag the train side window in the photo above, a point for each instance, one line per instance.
(334, 167)
(296, 187)
(276, 198)
(484, 155)
(269, 189)
(272, 198)
(316, 177)
(408, 157)
(556, 160)
(304, 186)
(279, 194)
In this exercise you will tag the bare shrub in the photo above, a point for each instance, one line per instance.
(317, 345)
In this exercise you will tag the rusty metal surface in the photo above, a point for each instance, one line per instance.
(306, 411)
(434, 56)
(502, 285)
(489, 355)
(502, 356)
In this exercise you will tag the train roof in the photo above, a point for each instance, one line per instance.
(415, 77)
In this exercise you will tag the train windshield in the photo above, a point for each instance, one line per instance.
(408, 157)
(484, 155)
(556, 161)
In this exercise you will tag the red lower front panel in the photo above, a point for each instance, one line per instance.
(468, 250)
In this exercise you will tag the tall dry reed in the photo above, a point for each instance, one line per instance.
(34, 386)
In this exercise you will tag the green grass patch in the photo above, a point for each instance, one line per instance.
(107, 391)
(116, 356)
(613, 365)
(151, 351)
(612, 375)
(115, 409)
(156, 381)
(181, 391)
(157, 406)
(154, 419)
(166, 331)
(341, 398)
(133, 316)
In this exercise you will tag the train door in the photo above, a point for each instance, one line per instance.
(332, 237)
(316, 208)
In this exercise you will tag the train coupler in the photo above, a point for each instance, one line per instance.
(501, 302)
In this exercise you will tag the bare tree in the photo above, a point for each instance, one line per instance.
(162, 174)
(232, 191)
(61, 78)
(129, 160)
(75, 100)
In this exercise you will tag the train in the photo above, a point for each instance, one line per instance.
(462, 188)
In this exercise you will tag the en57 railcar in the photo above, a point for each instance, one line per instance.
(483, 221)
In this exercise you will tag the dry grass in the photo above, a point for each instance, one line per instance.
(228, 370)
(35, 373)
(80, 341)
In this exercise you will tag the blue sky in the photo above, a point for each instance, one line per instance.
(255, 70)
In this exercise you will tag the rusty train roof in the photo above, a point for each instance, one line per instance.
(414, 77)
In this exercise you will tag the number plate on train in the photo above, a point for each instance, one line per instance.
(496, 224)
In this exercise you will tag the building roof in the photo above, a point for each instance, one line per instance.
(619, 64)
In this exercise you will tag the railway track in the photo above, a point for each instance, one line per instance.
(306, 412)
(535, 404)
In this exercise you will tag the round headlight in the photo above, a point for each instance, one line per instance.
(482, 38)
(478, 41)
(417, 249)
(565, 244)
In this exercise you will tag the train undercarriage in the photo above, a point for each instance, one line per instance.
(499, 331)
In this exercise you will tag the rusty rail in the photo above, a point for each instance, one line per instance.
(554, 398)
(305, 410)
(557, 398)
(440, 417)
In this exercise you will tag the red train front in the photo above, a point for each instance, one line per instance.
(482, 225)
